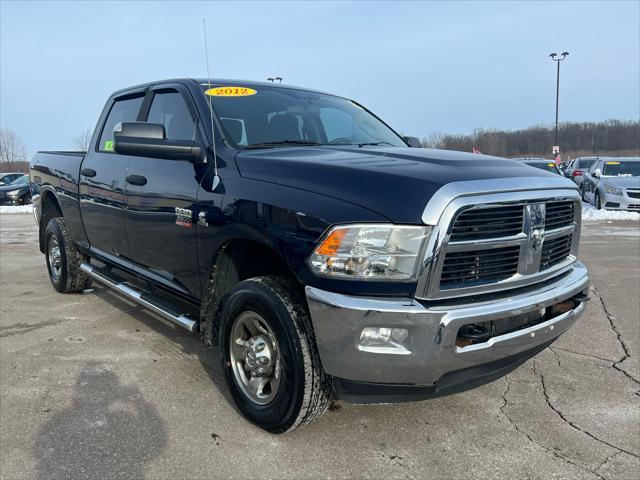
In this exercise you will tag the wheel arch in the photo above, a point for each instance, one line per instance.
(238, 259)
(50, 208)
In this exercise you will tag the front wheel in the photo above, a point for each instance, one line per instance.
(269, 354)
(597, 202)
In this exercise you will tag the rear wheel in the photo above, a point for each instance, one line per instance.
(269, 354)
(63, 259)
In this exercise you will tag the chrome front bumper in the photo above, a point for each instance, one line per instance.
(338, 321)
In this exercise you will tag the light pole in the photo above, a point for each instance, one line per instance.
(557, 59)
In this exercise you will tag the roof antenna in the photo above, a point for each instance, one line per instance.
(216, 178)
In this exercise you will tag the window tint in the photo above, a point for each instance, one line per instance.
(585, 164)
(337, 124)
(122, 111)
(273, 115)
(171, 110)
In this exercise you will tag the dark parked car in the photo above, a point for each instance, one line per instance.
(311, 246)
(543, 164)
(579, 167)
(7, 178)
(16, 193)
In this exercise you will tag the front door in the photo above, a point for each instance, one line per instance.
(161, 197)
(102, 182)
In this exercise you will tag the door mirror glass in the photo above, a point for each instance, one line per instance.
(413, 142)
(597, 173)
(143, 139)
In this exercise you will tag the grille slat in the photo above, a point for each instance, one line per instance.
(485, 265)
(559, 214)
(485, 223)
(555, 251)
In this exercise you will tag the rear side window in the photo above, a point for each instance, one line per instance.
(171, 110)
(121, 111)
(585, 164)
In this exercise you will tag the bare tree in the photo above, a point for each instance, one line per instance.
(82, 141)
(11, 148)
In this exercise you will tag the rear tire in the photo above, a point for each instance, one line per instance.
(297, 391)
(63, 259)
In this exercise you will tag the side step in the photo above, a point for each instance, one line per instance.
(141, 297)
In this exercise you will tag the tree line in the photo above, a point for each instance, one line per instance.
(604, 138)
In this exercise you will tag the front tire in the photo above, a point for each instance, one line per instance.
(63, 259)
(597, 202)
(269, 355)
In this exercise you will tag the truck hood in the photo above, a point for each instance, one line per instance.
(394, 182)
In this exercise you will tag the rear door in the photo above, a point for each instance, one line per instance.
(161, 196)
(102, 180)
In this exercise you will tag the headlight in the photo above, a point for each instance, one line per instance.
(13, 193)
(369, 252)
(612, 190)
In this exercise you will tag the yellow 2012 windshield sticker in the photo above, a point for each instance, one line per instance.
(613, 163)
(230, 91)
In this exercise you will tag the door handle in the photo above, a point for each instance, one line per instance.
(136, 180)
(88, 172)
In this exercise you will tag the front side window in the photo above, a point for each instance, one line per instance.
(171, 110)
(121, 111)
(276, 116)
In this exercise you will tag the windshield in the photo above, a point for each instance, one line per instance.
(548, 166)
(621, 169)
(281, 116)
(21, 181)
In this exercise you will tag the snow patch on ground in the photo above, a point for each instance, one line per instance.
(592, 214)
(16, 209)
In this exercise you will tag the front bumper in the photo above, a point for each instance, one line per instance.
(620, 202)
(433, 355)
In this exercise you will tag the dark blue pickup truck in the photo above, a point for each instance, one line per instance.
(316, 251)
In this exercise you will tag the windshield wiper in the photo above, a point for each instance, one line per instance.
(281, 143)
(374, 143)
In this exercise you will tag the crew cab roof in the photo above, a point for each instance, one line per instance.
(218, 81)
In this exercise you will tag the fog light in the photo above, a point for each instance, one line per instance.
(384, 340)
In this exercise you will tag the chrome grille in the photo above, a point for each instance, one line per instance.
(555, 251)
(474, 224)
(479, 266)
(493, 246)
(558, 214)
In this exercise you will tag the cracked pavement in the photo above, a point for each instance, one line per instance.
(92, 386)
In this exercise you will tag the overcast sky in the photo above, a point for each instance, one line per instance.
(422, 66)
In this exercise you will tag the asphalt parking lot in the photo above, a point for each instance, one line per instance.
(94, 387)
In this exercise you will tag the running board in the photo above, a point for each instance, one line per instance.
(141, 297)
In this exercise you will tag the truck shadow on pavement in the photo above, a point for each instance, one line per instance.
(108, 431)
(187, 343)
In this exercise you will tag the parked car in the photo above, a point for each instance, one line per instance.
(578, 168)
(543, 164)
(307, 242)
(613, 184)
(16, 193)
(7, 178)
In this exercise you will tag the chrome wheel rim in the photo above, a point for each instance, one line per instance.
(55, 260)
(255, 358)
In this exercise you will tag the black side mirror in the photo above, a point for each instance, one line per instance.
(142, 139)
(413, 142)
